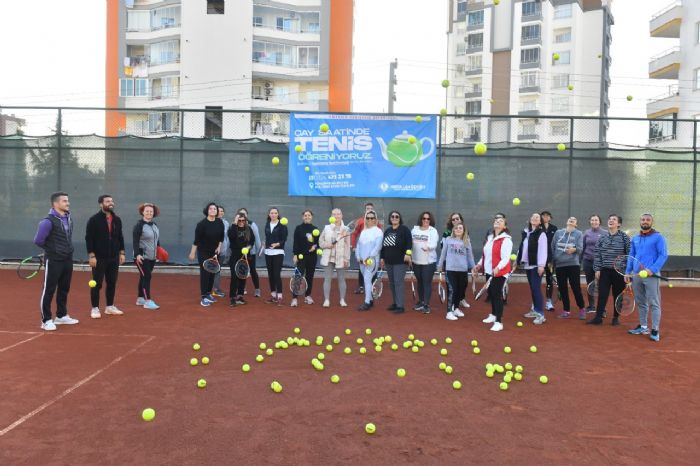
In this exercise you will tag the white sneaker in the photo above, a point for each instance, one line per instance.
(308, 300)
(457, 312)
(451, 316)
(490, 319)
(140, 301)
(49, 326)
(150, 304)
(294, 303)
(539, 320)
(550, 306)
(95, 313)
(65, 320)
(464, 304)
(532, 315)
(497, 327)
(113, 310)
(343, 303)
(326, 303)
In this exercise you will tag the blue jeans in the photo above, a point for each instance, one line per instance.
(535, 281)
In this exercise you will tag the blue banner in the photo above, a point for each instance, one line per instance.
(362, 155)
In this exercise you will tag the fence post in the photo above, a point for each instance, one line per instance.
(59, 154)
(182, 179)
(571, 165)
(695, 192)
(438, 176)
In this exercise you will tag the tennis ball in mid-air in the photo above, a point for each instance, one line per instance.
(316, 231)
(544, 379)
(480, 148)
(629, 98)
(92, 283)
(670, 285)
(205, 360)
(475, 343)
(298, 148)
(555, 56)
(419, 119)
(245, 251)
(457, 385)
(496, 2)
(335, 378)
(443, 111)
(643, 274)
(319, 252)
(561, 147)
(148, 414)
(194, 362)
(476, 350)
(570, 87)
(504, 386)
(307, 168)
(470, 176)
(300, 257)
(513, 257)
(401, 372)
(276, 386)
(275, 161)
(412, 139)
(519, 324)
(507, 349)
(201, 383)
(516, 201)
(331, 220)
(324, 127)
(284, 220)
(533, 349)
(445, 83)
(245, 367)
(370, 428)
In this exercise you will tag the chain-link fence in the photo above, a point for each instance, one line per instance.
(562, 164)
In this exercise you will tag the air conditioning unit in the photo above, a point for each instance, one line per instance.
(268, 88)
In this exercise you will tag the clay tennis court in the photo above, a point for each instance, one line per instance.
(75, 396)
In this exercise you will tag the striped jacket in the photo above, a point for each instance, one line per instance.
(608, 248)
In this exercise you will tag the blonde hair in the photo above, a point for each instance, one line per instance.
(465, 235)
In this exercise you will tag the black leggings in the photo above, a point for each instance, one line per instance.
(274, 271)
(307, 266)
(608, 279)
(255, 278)
(457, 282)
(590, 276)
(145, 272)
(206, 279)
(424, 279)
(495, 292)
(572, 275)
(548, 279)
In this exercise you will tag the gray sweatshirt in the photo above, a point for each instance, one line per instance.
(455, 256)
(560, 242)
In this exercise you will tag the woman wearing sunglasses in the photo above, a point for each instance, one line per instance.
(397, 242)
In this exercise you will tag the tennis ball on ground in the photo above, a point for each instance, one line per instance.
(420, 343)
(629, 98)
(359, 341)
(290, 340)
(448, 369)
(415, 349)
(368, 331)
(434, 341)
(443, 352)
(507, 378)
(475, 343)
(276, 386)
(92, 283)
(503, 386)
(329, 348)
(388, 338)
(419, 119)
(275, 161)
(643, 274)
(518, 368)
(298, 148)
(148, 414)
(307, 168)
(363, 350)
(533, 349)
(319, 366)
(300, 257)
(561, 147)
(555, 56)
(470, 176)
(194, 362)
(570, 87)
(480, 148)
(394, 347)
(335, 378)
(320, 356)
(324, 127)
(519, 324)
(347, 350)
(507, 350)
(245, 251)
(401, 372)
(544, 379)
(518, 376)
(457, 385)
(407, 344)
(201, 383)
(412, 139)
(284, 220)
(411, 337)
(316, 231)
(516, 201)
(370, 428)
(319, 252)
(378, 349)
(489, 374)
(448, 340)
(259, 358)
(443, 111)
(331, 220)
(245, 367)
(509, 366)
(336, 339)
(445, 83)
(269, 352)
(442, 366)
(205, 360)
(499, 369)
(262, 346)
(476, 350)
(489, 366)
(297, 330)
(348, 331)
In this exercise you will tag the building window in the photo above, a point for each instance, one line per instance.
(163, 18)
(475, 18)
(257, 21)
(126, 88)
(475, 41)
(559, 128)
(461, 48)
(138, 20)
(564, 59)
(560, 104)
(560, 80)
(165, 87)
(531, 8)
(165, 52)
(461, 7)
(663, 129)
(473, 107)
(213, 122)
(141, 87)
(215, 7)
(474, 130)
(163, 122)
(528, 105)
(308, 57)
(562, 11)
(531, 32)
(530, 55)
(473, 62)
(529, 79)
(697, 78)
(527, 128)
(562, 35)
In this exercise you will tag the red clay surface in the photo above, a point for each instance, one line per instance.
(75, 396)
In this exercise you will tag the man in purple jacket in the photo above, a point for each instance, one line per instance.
(54, 236)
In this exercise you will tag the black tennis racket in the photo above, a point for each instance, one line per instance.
(212, 265)
(623, 262)
(298, 284)
(30, 266)
(242, 267)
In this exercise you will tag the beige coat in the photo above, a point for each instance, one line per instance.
(342, 247)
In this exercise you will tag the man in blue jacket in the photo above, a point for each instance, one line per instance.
(649, 247)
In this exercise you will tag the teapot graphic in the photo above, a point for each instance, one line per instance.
(405, 150)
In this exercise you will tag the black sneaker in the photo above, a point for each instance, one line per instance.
(364, 307)
(419, 307)
(232, 303)
(595, 321)
(398, 310)
(615, 321)
(240, 300)
(391, 308)
(359, 290)
(426, 309)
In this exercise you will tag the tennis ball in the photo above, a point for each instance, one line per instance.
(319, 252)
(518, 368)
(457, 385)
(419, 119)
(509, 366)
(499, 369)
(476, 350)
(443, 111)
(670, 285)
(388, 338)
(245, 367)
(319, 366)
(409, 252)
(507, 378)
(92, 283)
(307, 168)
(496, 2)
(324, 127)
(394, 347)
(561, 147)
(412, 139)
(445, 83)
(300, 257)
(518, 376)
(347, 350)
(448, 369)
(297, 330)
(201, 383)
(331, 220)
(503, 386)
(434, 341)
(629, 98)
(336, 340)
(378, 349)
(533, 349)
(369, 261)
(368, 331)
(448, 340)
(480, 148)
(544, 379)
(298, 148)
(348, 331)
(259, 358)
(475, 343)
(276, 386)
(470, 176)
(491, 101)
(519, 324)
(401, 372)
(284, 220)
(570, 87)
(329, 348)
(148, 414)
(370, 428)
(316, 232)
(269, 352)
(363, 350)
(600, 55)
(415, 349)
(275, 161)
(489, 366)
(555, 56)
(489, 374)
(442, 366)
(420, 343)
(335, 378)
(205, 360)
(507, 350)
(516, 201)
(193, 362)
(290, 340)
(245, 251)
(411, 337)
(443, 352)
(513, 257)
(262, 346)
(407, 344)
(643, 274)
(359, 341)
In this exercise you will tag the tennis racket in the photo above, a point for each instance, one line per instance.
(593, 288)
(441, 287)
(625, 303)
(378, 285)
(297, 284)
(556, 294)
(30, 266)
(621, 262)
(412, 278)
(212, 265)
(242, 267)
(483, 288)
(349, 229)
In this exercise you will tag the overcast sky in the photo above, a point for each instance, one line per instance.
(57, 58)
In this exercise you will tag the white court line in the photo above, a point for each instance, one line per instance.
(68, 391)
(20, 331)
(58, 333)
(20, 342)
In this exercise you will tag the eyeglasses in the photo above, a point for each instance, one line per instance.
(395, 216)
(371, 218)
(426, 218)
(455, 219)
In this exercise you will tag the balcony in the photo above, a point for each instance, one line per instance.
(272, 31)
(667, 22)
(530, 87)
(532, 15)
(284, 24)
(153, 34)
(666, 64)
(472, 92)
(472, 70)
(529, 109)
(531, 40)
(664, 104)
(290, 104)
(294, 70)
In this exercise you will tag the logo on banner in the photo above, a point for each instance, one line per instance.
(384, 187)
(405, 150)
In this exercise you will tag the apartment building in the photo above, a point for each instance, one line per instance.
(529, 58)
(256, 56)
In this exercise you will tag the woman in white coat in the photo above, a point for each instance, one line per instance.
(335, 244)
